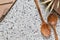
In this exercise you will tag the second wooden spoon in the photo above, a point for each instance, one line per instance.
(45, 28)
(52, 20)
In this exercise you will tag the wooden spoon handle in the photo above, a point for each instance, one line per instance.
(55, 33)
(38, 8)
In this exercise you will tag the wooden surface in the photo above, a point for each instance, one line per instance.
(6, 7)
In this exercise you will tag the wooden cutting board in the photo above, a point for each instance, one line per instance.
(4, 9)
(57, 9)
(5, 1)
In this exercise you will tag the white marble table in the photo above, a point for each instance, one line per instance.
(23, 22)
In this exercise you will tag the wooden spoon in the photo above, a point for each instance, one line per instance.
(52, 20)
(45, 28)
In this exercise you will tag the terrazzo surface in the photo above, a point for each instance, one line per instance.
(23, 22)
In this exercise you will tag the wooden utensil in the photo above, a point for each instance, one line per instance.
(52, 4)
(52, 20)
(45, 28)
(57, 9)
(5, 6)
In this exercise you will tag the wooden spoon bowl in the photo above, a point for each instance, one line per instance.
(52, 20)
(45, 30)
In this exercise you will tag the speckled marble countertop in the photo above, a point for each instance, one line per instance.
(23, 22)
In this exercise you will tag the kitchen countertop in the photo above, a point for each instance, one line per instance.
(23, 22)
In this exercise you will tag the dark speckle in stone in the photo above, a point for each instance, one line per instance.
(24, 25)
(11, 28)
(23, 34)
(35, 7)
(28, 0)
(21, 30)
(36, 15)
(30, 8)
(29, 26)
(7, 38)
(30, 14)
(24, 12)
(7, 32)
(16, 10)
(12, 17)
(14, 33)
(35, 18)
(34, 23)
